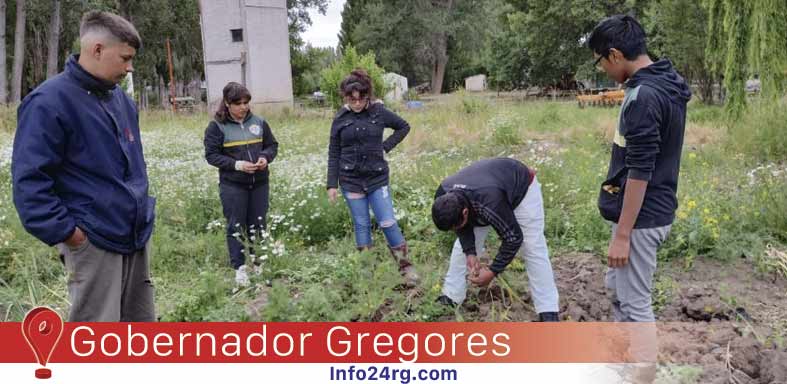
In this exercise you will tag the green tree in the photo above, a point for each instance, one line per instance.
(298, 14)
(156, 20)
(677, 29)
(387, 30)
(350, 60)
(352, 14)
(737, 40)
(507, 60)
(420, 38)
(314, 60)
(298, 21)
(768, 47)
(747, 38)
(553, 34)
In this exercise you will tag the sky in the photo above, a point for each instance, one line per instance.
(324, 31)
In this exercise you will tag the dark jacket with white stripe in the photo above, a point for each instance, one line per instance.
(231, 141)
(356, 150)
(493, 188)
(648, 144)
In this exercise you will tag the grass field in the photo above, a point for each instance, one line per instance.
(732, 205)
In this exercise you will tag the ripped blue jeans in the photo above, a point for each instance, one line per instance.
(382, 206)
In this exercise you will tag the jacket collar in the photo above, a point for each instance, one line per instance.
(87, 80)
(373, 108)
(245, 119)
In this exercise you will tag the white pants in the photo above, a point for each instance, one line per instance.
(530, 216)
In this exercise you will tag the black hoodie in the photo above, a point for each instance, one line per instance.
(493, 188)
(647, 145)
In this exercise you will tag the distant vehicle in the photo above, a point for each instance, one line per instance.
(184, 104)
(602, 99)
(423, 88)
(318, 97)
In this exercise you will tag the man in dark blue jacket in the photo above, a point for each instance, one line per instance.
(639, 195)
(79, 175)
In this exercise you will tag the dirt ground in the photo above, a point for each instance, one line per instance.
(718, 322)
(722, 321)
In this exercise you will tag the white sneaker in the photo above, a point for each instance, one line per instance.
(241, 277)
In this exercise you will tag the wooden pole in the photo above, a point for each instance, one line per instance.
(171, 78)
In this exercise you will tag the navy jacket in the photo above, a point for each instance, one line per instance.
(355, 153)
(77, 161)
(648, 144)
(493, 188)
(228, 142)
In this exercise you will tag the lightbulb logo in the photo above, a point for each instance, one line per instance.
(42, 328)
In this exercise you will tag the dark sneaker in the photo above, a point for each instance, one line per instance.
(548, 317)
(445, 300)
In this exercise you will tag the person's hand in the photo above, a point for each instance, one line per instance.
(333, 193)
(262, 163)
(245, 166)
(472, 265)
(618, 253)
(76, 239)
(483, 278)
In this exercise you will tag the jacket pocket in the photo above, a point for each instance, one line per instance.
(347, 162)
(376, 130)
(85, 215)
(237, 177)
(346, 166)
(81, 247)
(610, 199)
(375, 163)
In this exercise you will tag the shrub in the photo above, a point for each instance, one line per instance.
(333, 75)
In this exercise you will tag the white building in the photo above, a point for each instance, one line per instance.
(476, 83)
(247, 41)
(397, 85)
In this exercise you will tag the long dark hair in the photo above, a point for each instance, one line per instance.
(359, 81)
(233, 92)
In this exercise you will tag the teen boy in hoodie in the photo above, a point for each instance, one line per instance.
(639, 194)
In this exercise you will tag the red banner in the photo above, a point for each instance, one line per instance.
(332, 342)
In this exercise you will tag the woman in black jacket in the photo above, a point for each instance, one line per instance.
(241, 145)
(356, 161)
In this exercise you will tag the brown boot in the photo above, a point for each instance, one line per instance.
(411, 278)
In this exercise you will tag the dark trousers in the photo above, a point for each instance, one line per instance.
(244, 207)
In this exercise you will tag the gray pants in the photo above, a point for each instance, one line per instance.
(629, 288)
(106, 286)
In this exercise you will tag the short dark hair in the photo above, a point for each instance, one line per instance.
(111, 23)
(621, 32)
(359, 81)
(232, 93)
(447, 211)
